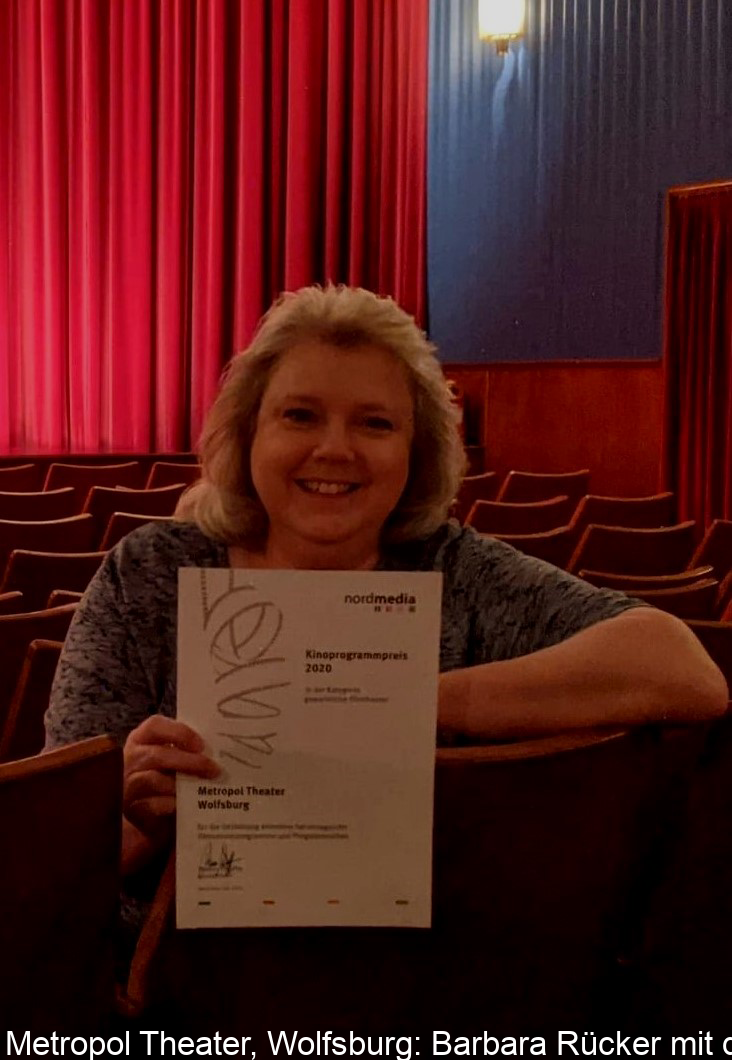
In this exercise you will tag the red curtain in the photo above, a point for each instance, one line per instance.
(698, 352)
(166, 170)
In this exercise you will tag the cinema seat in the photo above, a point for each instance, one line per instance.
(169, 473)
(123, 523)
(531, 486)
(530, 517)
(554, 546)
(22, 734)
(621, 550)
(684, 972)
(103, 501)
(11, 603)
(83, 476)
(49, 535)
(685, 601)
(544, 856)
(715, 548)
(16, 634)
(60, 822)
(628, 582)
(37, 574)
(475, 488)
(20, 478)
(47, 504)
(655, 510)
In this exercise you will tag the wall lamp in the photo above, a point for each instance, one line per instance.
(501, 21)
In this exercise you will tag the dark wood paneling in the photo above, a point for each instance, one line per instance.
(558, 417)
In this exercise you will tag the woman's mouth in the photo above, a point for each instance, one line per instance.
(322, 487)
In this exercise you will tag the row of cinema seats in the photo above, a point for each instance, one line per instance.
(520, 487)
(579, 881)
(628, 543)
(39, 588)
(47, 558)
(542, 917)
(138, 471)
(83, 508)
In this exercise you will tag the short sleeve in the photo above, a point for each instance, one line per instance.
(118, 665)
(100, 684)
(499, 603)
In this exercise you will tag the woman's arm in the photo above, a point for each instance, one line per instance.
(641, 666)
(114, 676)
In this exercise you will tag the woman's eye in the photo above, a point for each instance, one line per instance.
(379, 423)
(298, 414)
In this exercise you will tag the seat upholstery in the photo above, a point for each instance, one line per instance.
(715, 548)
(11, 603)
(168, 473)
(533, 486)
(74, 534)
(685, 971)
(83, 476)
(475, 488)
(21, 478)
(656, 510)
(530, 517)
(60, 820)
(103, 501)
(46, 504)
(628, 582)
(544, 855)
(23, 734)
(122, 523)
(37, 574)
(16, 634)
(554, 546)
(685, 601)
(622, 550)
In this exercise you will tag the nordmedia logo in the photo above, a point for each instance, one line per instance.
(396, 602)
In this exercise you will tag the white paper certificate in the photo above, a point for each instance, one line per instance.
(316, 692)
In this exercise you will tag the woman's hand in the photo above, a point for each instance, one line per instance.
(154, 752)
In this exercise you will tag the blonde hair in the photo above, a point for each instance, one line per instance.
(224, 502)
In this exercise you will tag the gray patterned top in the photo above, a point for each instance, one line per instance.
(119, 662)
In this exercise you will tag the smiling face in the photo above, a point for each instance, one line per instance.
(330, 454)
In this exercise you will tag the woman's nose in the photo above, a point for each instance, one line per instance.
(334, 441)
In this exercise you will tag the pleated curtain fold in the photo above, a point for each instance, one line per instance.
(697, 444)
(166, 169)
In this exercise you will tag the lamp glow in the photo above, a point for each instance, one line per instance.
(501, 21)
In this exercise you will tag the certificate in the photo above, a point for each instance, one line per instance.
(316, 693)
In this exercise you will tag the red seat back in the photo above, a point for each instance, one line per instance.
(123, 523)
(46, 504)
(103, 501)
(83, 476)
(531, 517)
(168, 473)
(16, 634)
(20, 478)
(531, 486)
(37, 574)
(656, 510)
(23, 733)
(620, 550)
(60, 820)
(74, 534)
(554, 546)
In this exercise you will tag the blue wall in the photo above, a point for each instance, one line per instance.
(548, 168)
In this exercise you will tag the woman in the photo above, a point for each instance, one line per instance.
(333, 445)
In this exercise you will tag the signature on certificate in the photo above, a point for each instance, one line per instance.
(218, 863)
